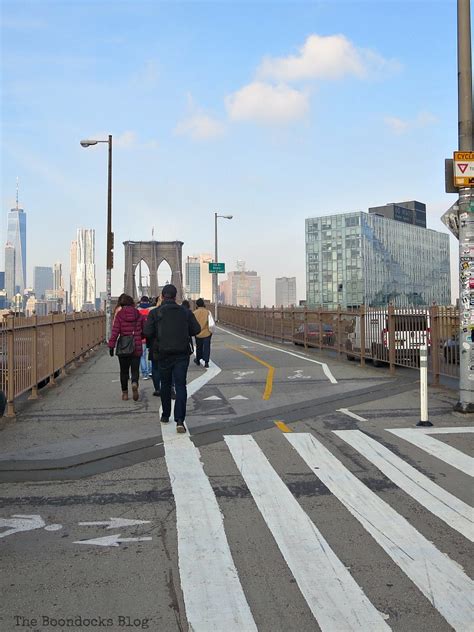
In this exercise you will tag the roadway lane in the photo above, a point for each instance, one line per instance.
(324, 521)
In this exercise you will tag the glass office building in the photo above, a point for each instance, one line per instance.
(359, 258)
(16, 238)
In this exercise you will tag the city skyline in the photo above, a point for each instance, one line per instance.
(263, 134)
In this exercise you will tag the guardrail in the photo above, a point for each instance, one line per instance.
(390, 336)
(35, 349)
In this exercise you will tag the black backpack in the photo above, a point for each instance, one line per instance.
(172, 331)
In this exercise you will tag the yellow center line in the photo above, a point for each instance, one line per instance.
(283, 427)
(271, 370)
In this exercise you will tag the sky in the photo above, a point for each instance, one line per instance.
(269, 111)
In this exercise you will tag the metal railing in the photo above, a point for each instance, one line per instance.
(35, 349)
(391, 336)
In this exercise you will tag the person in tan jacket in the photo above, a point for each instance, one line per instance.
(203, 339)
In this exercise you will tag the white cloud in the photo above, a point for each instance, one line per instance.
(402, 126)
(324, 57)
(125, 140)
(200, 126)
(259, 101)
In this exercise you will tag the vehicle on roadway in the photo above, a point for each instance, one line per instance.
(313, 334)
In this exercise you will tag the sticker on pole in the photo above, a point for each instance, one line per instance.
(464, 168)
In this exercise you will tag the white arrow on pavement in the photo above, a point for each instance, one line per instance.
(21, 522)
(112, 540)
(298, 375)
(238, 397)
(114, 523)
(212, 397)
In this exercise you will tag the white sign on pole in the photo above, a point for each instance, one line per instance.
(450, 219)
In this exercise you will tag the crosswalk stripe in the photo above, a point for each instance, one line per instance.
(213, 596)
(335, 599)
(447, 430)
(456, 513)
(436, 448)
(440, 579)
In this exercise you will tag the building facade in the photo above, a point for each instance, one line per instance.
(84, 270)
(42, 281)
(198, 279)
(355, 259)
(72, 274)
(411, 212)
(15, 267)
(242, 287)
(10, 270)
(285, 291)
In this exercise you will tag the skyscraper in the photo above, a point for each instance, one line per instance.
(72, 276)
(85, 269)
(58, 283)
(285, 292)
(42, 280)
(10, 270)
(198, 278)
(242, 287)
(16, 238)
(359, 258)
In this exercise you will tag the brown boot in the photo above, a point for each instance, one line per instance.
(125, 396)
(135, 391)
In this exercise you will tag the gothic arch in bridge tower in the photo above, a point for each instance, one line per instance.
(152, 253)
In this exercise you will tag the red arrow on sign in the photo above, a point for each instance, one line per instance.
(463, 166)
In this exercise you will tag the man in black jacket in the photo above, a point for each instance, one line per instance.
(168, 330)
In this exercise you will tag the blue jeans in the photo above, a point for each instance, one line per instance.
(203, 348)
(145, 364)
(174, 370)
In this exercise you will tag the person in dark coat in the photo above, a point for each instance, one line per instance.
(128, 321)
(168, 329)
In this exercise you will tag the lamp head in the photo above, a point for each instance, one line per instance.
(228, 216)
(88, 143)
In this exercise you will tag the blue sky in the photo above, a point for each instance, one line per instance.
(269, 111)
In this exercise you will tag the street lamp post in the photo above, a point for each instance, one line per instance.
(110, 236)
(216, 278)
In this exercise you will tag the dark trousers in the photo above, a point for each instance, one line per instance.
(203, 348)
(128, 364)
(174, 371)
(155, 375)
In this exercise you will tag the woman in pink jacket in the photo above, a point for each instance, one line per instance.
(128, 321)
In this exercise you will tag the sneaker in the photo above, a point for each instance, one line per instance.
(206, 366)
(180, 427)
(157, 393)
(146, 377)
(197, 362)
(125, 396)
(164, 420)
(134, 391)
(173, 393)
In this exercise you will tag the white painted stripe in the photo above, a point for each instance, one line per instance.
(213, 596)
(346, 411)
(436, 448)
(441, 580)
(456, 513)
(452, 430)
(324, 366)
(335, 599)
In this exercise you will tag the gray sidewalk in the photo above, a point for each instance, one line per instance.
(83, 418)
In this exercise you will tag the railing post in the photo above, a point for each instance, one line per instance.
(10, 412)
(64, 370)
(34, 360)
(362, 313)
(292, 325)
(391, 338)
(432, 341)
(305, 327)
(52, 379)
(282, 315)
(320, 336)
(339, 323)
(273, 322)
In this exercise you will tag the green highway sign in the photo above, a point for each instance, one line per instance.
(216, 267)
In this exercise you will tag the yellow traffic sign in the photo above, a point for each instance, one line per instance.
(464, 168)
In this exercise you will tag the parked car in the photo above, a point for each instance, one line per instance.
(313, 334)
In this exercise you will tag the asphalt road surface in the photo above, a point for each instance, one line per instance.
(303, 498)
